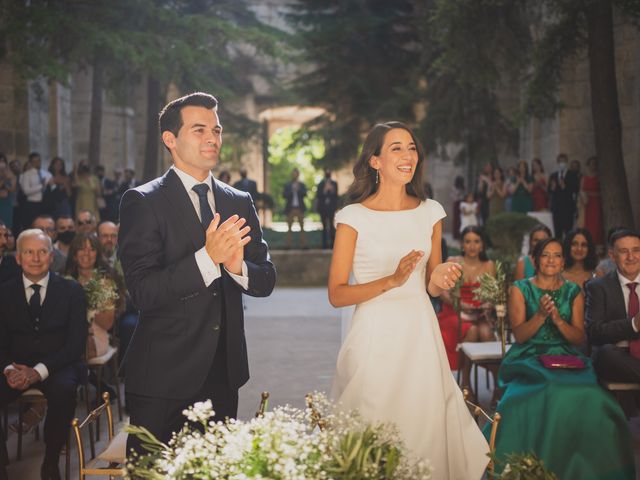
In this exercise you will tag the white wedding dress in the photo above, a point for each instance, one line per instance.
(392, 366)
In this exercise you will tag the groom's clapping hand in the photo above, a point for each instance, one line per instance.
(225, 241)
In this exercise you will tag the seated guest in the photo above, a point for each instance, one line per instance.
(475, 327)
(8, 266)
(108, 237)
(43, 328)
(613, 313)
(48, 226)
(87, 265)
(607, 265)
(581, 258)
(126, 323)
(86, 222)
(560, 414)
(65, 231)
(10, 249)
(524, 267)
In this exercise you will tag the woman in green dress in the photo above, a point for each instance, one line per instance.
(521, 198)
(560, 414)
(524, 266)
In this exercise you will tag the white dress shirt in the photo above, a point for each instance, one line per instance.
(33, 183)
(626, 292)
(28, 291)
(208, 268)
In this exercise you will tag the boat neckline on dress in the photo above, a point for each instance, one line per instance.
(392, 211)
(547, 289)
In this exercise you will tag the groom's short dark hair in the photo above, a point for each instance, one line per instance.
(170, 117)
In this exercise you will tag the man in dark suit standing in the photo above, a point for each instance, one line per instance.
(327, 204)
(186, 269)
(245, 184)
(294, 208)
(563, 190)
(8, 266)
(612, 312)
(43, 330)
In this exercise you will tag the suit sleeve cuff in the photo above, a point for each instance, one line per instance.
(208, 269)
(42, 370)
(633, 325)
(242, 280)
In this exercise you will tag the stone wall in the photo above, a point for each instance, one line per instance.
(571, 130)
(301, 268)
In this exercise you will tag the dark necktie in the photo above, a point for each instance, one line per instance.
(206, 214)
(34, 303)
(634, 308)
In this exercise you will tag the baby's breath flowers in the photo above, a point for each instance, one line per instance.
(284, 444)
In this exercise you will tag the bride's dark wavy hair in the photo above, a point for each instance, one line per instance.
(364, 181)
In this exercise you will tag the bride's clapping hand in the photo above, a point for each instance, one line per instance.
(405, 267)
(446, 275)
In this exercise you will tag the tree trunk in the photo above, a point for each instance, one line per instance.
(607, 127)
(95, 122)
(152, 143)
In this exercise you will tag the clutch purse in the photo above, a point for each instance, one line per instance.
(561, 361)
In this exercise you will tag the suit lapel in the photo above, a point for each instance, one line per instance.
(180, 204)
(224, 203)
(53, 295)
(617, 297)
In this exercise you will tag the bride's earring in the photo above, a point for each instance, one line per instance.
(377, 176)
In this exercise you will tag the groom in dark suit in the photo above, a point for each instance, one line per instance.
(612, 312)
(186, 269)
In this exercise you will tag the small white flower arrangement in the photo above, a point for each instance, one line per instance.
(284, 444)
(101, 292)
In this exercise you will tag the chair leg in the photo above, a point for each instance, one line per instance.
(474, 366)
(20, 420)
(92, 442)
(6, 423)
(98, 398)
(67, 458)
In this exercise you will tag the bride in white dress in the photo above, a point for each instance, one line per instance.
(392, 366)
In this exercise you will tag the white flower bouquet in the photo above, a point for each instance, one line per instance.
(284, 444)
(101, 292)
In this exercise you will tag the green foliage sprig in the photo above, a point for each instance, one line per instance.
(525, 466)
(493, 289)
(284, 444)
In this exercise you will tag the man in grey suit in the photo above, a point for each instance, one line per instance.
(612, 312)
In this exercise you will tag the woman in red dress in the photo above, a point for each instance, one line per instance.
(475, 327)
(590, 200)
(539, 192)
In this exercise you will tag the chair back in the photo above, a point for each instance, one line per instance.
(263, 404)
(91, 418)
(478, 412)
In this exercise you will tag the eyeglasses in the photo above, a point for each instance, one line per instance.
(84, 222)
